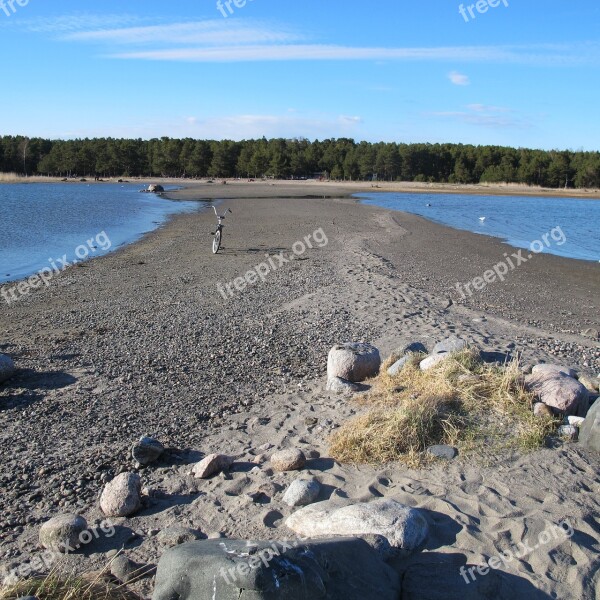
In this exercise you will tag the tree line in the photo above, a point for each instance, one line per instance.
(339, 159)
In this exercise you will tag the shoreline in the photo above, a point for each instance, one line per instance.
(347, 188)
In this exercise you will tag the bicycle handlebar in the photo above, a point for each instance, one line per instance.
(223, 215)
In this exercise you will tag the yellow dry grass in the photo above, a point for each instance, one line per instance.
(461, 402)
(57, 586)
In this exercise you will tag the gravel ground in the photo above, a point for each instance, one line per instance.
(140, 342)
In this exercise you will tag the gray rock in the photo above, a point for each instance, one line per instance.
(175, 536)
(121, 496)
(413, 348)
(302, 492)
(290, 459)
(354, 362)
(62, 533)
(398, 365)
(568, 432)
(576, 421)
(436, 576)
(128, 571)
(147, 450)
(7, 367)
(443, 451)
(544, 368)
(211, 465)
(341, 386)
(452, 344)
(560, 392)
(308, 570)
(156, 188)
(405, 528)
(589, 432)
(433, 360)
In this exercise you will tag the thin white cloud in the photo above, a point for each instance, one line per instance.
(486, 116)
(316, 52)
(483, 108)
(350, 120)
(205, 33)
(289, 52)
(458, 78)
(66, 24)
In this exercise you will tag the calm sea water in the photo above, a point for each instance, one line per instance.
(517, 220)
(40, 223)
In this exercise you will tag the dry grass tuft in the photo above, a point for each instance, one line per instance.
(461, 402)
(59, 587)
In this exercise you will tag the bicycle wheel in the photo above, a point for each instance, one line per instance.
(217, 241)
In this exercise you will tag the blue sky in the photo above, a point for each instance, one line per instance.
(526, 74)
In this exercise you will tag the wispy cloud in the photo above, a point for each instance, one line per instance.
(486, 116)
(66, 24)
(220, 40)
(203, 33)
(315, 52)
(458, 78)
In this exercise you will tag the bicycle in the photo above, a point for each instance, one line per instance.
(219, 232)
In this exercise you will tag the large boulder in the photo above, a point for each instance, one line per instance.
(300, 570)
(121, 497)
(7, 367)
(156, 188)
(589, 432)
(404, 528)
(544, 368)
(563, 394)
(353, 362)
(437, 576)
(63, 533)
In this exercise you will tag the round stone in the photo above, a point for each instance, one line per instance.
(63, 533)
(290, 459)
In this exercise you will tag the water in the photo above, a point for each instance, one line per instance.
(571, 225)
(41, 223)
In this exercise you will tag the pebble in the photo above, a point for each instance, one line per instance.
(443, 451)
